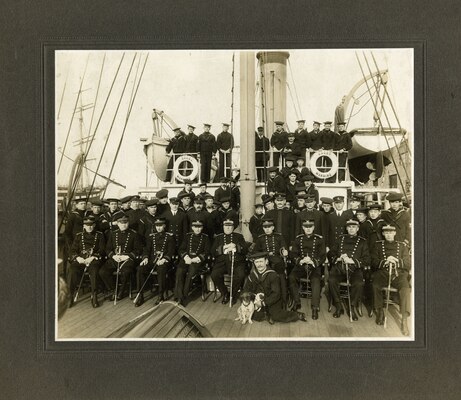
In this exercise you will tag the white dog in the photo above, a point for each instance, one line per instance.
(247, 308)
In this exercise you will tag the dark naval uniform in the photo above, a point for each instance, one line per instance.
(225, 141)
(74, 225)
(110, 222)
(256, 226)
(135, 217)
(86, 245)
(269, 283)
(124, 243)
(373, 231)
(312, 246)
(284, 221)
(206, 146)
(273, 244)
(276, 185)
(343, 141)
(278, 140)
(191, 140)
(222, 193)
(159, 245)
(222, 214)
(399, 277)
(337, 225)
(313, 214)
(356, 248)
(262, 148)
(328, 139)
(146, 227)
(193, 246)
(177, 225)
(177, 144)
(401, 219)
(315, 141)
(223, 262)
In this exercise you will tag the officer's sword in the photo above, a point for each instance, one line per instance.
(157, 257)
(391, 266)
(348, 290)
(232, 278)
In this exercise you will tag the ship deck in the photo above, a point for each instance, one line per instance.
(82, 321)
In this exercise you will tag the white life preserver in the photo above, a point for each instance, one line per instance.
(180, 160)
(328, 173)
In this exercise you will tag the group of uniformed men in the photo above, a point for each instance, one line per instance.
(286, 146)
(290, 241)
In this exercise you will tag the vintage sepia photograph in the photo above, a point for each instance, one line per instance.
(234, 195)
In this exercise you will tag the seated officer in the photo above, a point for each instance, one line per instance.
(158, 253)
(193, 252)
(228, 248)
(87, 252)
(309, 255)
(263, 280)
(122, 249)
(274, 245)
(391, 257)
(351, 252)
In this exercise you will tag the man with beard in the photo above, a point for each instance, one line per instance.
(193, 252)
(122, 249)
(229, 250)
(224, 145)
(159, 252)
(308, 255)
(349, 255)
(87, 253)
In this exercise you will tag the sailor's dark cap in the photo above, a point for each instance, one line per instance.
(206, 124)
(257, 255)
(317, 122)
(202, 184)
(197, 222)
(301, 120)
(162, 193)
(123, 219)
(308, 177)
(309, 198)
(375, 206)
(160, 221)
(228, 222)
(176, 129)
(207, 196)
(280, 196)
(355, 197)
(300, 188)
(89, 220)
(290, 157)
(291, 134)
(126, 199)
(224, 179)
(174, 200)
(326, 200)
(198, 200)
(273, 169)
(111, 200)
(267, 199)
(225, 124)
(279, 122)
(260, 129)
(259, 205)
(184, 195)
(136, 197)
(301, 196)
(80, 198)
(341, 123)
(363, 210)
(327, 123)
(225, 199)
(394, 196)
(268, 222)
(152, 202)
(96, 202)
(191, 126)
(294, 172)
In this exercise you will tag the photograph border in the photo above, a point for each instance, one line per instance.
(317, 347)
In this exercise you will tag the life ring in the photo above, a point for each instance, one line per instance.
(177, 164)
(323, 174)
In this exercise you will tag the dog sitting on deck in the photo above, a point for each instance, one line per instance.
(247, 308)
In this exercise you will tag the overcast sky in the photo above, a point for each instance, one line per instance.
(194, 87)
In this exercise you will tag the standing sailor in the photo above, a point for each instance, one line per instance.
(206, 148)
(343, 143)
(398, 216)
(262, 149)
(279, 140)
(175, 147)
(225, 144)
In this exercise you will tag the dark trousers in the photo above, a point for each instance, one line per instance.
(276, 157)
(298, 272)
(228, 165)
(261, 172)
(342, 159)
(355, 279)
(76, 271)
(184, 275)
(276, 263)
(401, 283)
(205, 166)
(222, 268)
(145, 270)
(107, 273)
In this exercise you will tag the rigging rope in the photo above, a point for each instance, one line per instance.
(264, 117)
(293, 101)
(232, 94)
(73, 113)
(379, 119)
(126, 123)
(294, 86)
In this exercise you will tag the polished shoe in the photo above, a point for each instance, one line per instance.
(338, 312)
(315, 313)
(302, 317)
(225, 299)
(217, 295)
(234, 300)
(159, 300)
(404, 327)
(354, 314)
(71, 301)
(183, 303)
(359, 311)
(296, 307)
(140, 301)
(380, 316)
(94, 301)
(203, 296)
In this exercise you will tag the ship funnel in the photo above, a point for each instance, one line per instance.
(273, 81)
